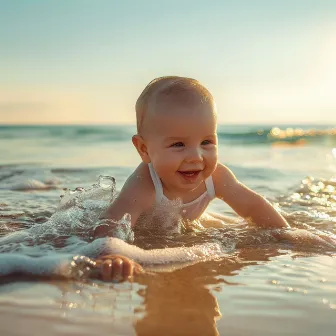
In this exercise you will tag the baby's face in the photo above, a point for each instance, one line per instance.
(182, 144)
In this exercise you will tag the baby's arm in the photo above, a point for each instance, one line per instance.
(111, 267)
(136, 196)
(245, 202)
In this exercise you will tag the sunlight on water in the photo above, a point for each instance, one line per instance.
(290, 132)
(216, 277)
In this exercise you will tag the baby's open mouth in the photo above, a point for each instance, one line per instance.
(191, 174)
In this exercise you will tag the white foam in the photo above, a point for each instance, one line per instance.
(155, 256)
(59, 264)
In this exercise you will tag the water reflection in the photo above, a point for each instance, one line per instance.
(179, 303)
(184, 302)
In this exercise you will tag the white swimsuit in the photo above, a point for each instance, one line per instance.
(191, 210)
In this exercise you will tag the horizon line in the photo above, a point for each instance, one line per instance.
(282, 123)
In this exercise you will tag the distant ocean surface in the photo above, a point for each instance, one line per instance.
(274, 289)
(265, 157)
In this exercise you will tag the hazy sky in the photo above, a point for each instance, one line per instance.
(84, 61)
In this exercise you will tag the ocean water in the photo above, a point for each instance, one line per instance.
(247, 281)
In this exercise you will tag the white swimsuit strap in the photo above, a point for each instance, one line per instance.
(159, 190)
(210, 187)
(157, 183)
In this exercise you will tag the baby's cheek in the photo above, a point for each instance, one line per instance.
(163, 166)
(211, 154)
(211, 163)
(169, 165)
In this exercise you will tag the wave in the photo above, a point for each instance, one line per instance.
(19, 179)
(276, 135)
(233, 134)
(68, 133)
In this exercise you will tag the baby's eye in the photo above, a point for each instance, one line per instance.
(206, 142)
(177, 144)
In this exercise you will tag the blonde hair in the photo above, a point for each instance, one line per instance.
(181, 89)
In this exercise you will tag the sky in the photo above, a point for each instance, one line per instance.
(86, 62)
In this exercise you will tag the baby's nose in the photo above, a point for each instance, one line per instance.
(194, 155)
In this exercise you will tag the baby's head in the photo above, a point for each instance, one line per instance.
(176, 124)
(174, 91)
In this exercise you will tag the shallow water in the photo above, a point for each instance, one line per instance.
(261, 285)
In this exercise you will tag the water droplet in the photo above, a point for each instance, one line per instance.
(127, 218)
(106, 182)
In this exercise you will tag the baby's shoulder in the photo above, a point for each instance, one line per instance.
(223, 177)
(223, 173)
(139, 185)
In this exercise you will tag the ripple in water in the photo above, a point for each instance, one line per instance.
(69, 232)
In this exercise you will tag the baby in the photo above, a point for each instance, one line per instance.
(180, 173)
(177, 142)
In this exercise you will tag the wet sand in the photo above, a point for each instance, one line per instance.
(256, 292)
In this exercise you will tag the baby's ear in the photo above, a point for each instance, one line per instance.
(141, 147)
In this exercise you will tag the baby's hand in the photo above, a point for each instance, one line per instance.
(116, 268)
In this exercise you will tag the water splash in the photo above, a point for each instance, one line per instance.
(68, 231)
(313, 202)
(78, 214)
